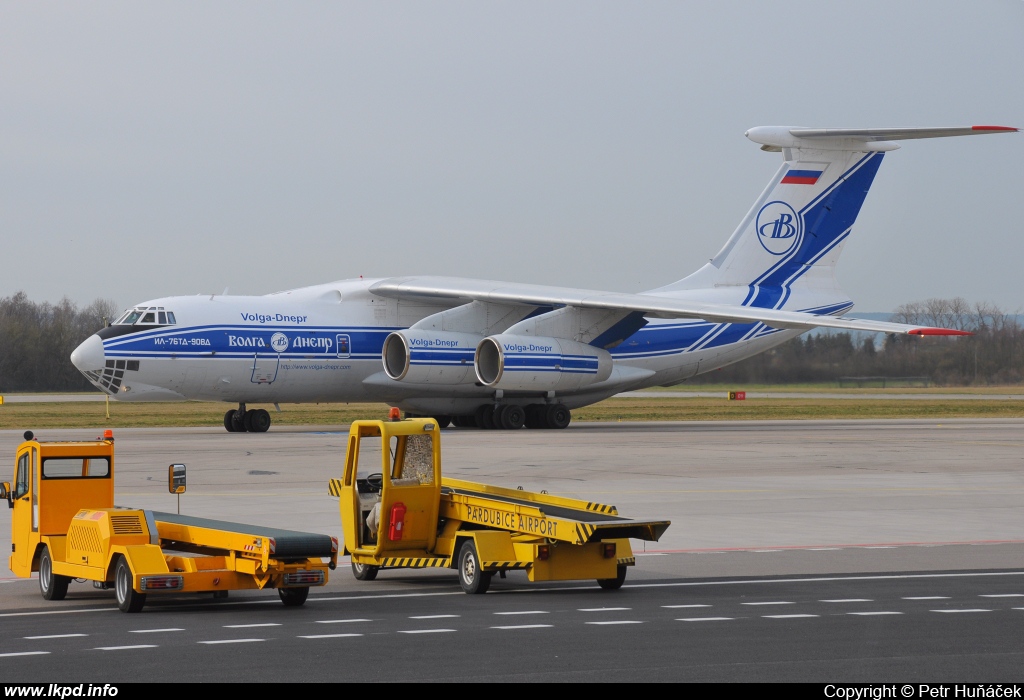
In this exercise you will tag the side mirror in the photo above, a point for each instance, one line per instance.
(176, 478)
(5, 494)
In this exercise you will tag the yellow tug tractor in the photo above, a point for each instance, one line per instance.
(398, 512)
(65, 526)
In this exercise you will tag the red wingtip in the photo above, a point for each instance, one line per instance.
(937, 331)
(994, 128)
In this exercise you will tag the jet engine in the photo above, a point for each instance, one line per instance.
(530, 363)
(430, 357)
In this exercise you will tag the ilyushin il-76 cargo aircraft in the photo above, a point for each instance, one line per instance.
(503, 355)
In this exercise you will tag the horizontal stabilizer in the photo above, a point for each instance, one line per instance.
(779, 137)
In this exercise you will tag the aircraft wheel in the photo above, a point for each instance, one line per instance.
(614, 584)
(443, 421)
(258, 420)
(512, 417)
(51, 585)
(472, 577)
(229, 421)
(364, 572)
(557, 417)
(534, 416)
(293, 597)
(247, 421)
(238, 421)
(464, 421)
(127, 599)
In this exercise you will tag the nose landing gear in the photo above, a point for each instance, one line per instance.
(240, 420)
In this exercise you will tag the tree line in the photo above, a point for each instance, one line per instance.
(36, 341)
(993, 355)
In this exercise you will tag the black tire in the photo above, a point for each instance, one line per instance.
(472, 577)
(52, 586)
(238, 421)
(534, 416)
(293, 597)
(229, 421)
(247, 421)
(464, 421)
(614, 584)
(258, 421)
(128, 600)
(557, 417)
(364, 572)
(513, 417)
(443, 421)
(220, 595)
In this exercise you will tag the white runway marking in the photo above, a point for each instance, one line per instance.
(125, 648)
(772, 602)
(258, 624)
(847, 600)
(786, 617)
(823, 549)
(696, 605)
(1002, 595)
(701, 619)
(333, 622)
(765, 551)
(430, 617)
(24, 653)
(231, 641)
(164, 629)
(56, 636)
(927, 597)
(616, 622)
(328, 636)
(602, 609)
(58, 612)
(963, 610)
(876, 612)
(520, 627)
(882, 546)
(523, 612)
(423, 631)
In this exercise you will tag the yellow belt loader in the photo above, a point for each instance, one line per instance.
(65, 526)
(398, 512)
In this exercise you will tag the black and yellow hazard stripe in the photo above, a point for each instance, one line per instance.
(583, 532)
(494, 565)
(415, 562)
(628, 561)
(334, 488)
(602, 508)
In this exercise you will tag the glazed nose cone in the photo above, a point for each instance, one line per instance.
(89, 357)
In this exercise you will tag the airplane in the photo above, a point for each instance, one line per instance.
(503, 355)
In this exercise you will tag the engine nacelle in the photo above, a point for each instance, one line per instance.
(430, 357)
(529, 363)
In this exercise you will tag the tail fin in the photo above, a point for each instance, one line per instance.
(797, 227)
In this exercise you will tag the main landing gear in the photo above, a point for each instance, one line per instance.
(254, 420)
(514, 417)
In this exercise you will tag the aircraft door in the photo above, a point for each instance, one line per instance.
(264, 368)
(25, 516)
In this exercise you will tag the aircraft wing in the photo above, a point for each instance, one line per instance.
(487, 291)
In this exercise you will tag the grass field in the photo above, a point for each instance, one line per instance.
(33, 416)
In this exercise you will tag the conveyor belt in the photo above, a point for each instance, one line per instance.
(583, 516)
(288, 543)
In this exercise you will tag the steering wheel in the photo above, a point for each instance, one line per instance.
(376, 481)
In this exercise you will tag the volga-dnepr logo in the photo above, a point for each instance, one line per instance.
(779, 227)
(279, 341)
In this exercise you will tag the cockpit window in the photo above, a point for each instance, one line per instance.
(152, 315)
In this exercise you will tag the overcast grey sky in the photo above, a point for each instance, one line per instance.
(150, 149)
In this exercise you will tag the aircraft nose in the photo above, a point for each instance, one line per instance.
(89, 356)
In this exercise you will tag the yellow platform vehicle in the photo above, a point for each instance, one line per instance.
(65, 526)
(398, 512)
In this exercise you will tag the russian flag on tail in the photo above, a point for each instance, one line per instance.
(804, 174)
